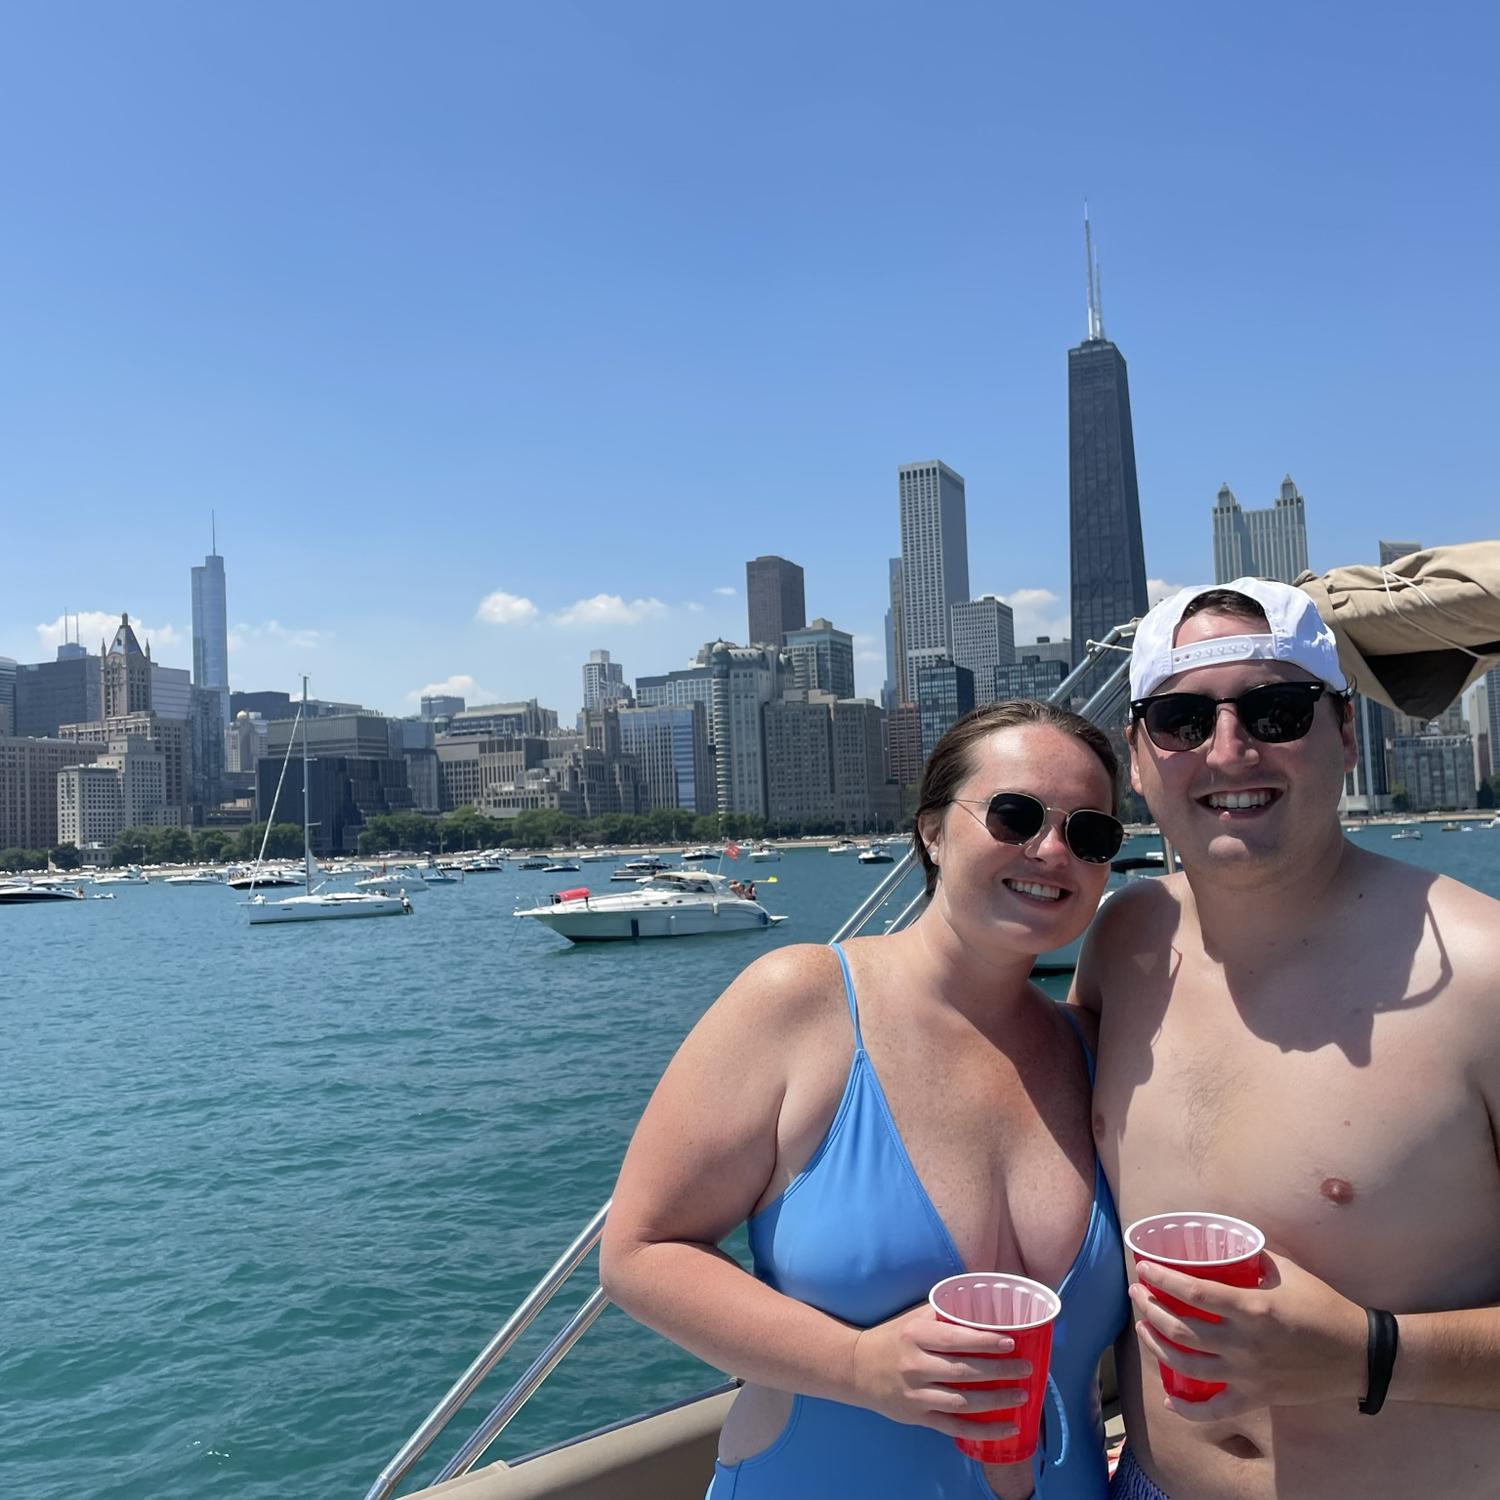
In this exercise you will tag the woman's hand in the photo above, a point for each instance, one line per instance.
(906, 1367)
(1291, 1341)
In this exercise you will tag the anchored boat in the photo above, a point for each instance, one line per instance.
(673, 903)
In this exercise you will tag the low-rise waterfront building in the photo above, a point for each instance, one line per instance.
(29, 768)
(1435, 771)
(126, 787)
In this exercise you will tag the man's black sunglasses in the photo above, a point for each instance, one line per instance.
(1017, 818)
(1274, 713)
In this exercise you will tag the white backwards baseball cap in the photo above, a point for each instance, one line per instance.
(1297, 635)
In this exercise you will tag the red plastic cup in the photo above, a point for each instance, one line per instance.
(1212, 1247)
(1024, 1310)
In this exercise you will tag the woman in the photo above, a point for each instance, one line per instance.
(885, 1115)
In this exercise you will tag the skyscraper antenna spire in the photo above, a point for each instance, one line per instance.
(1091, 278)
(213, 531)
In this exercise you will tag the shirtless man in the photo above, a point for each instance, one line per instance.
(1306, 1035)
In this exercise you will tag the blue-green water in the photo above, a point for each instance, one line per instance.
(267, 1191)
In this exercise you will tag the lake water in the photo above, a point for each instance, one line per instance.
(267, 1191)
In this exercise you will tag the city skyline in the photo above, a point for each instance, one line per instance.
(378, 418)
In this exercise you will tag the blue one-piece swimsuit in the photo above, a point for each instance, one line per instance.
(856, 1235)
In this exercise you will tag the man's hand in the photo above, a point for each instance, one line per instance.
(1291, 1341)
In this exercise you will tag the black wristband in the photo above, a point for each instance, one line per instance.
(1381, 1354)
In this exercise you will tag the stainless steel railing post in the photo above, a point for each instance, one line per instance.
(462, 1388)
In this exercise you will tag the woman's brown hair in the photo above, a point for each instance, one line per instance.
(951, 761)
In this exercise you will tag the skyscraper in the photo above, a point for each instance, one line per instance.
(823, 658)
(1390, 551)
(603, 682)
(984, 637)
(894, 691)
(1104, 505)
(126, 675)
(1268, 543)
(774, 593)
(211, 630)
(934, 560)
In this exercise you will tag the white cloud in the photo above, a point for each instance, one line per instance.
(610, 609)
(460, 685)
(298, 638)
(728, 591)
(94, 625)
(501, 608)
(694, 608)
(1038, 612)
(870, 656)
(1158, 589)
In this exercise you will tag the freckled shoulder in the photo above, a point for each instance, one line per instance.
(788, 987)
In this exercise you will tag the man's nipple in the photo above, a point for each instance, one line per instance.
(1337, 1190)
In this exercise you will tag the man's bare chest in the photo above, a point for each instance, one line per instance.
(1352, 1137)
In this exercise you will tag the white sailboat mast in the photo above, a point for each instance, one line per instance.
(307, 854)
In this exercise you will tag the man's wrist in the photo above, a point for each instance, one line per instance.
(1382, 1344)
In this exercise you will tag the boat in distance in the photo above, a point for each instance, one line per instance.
(319, 906)
(26, 892)
(673, 903)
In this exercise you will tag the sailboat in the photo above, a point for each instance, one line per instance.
(316, 904)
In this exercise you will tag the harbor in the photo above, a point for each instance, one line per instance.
(297, 1179)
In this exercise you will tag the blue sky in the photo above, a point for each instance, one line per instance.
(579, 306)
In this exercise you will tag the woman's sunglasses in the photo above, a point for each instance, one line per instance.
(1274, 714)
(1017, 818)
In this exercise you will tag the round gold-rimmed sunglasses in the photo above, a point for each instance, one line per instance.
(1017, 817)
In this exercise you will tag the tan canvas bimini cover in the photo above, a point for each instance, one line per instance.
(1415, 633)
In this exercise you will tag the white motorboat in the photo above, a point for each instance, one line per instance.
(843, 846)
(130, 875)
(763, 853)
(561, 867)
(484, 864)
(1407, 833)
(634, 871)
(318, 905)
(876, 854)
(30, 892)
(674, 903)
(702, 854)
(533, 862)
(195, 877)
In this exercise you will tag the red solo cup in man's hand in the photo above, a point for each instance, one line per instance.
(998, 1302)
(1212, 1247)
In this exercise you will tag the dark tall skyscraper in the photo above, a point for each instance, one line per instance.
(1104, 505)
(773, 588)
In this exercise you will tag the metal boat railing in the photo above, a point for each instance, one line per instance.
(1100, 705)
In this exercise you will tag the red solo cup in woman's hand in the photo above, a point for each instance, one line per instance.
(998, 1302)
(1212, 1247)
